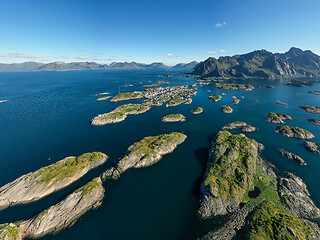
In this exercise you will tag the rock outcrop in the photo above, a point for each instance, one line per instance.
(46, 180)
(310, 109)
(257, 203)
(312, 147)
(314, 121)
(174, 118)
(226, 109)
(315, 92)
(245, 127)
(293, 156)
(277, 117)
(119, 114)
(215, 97)
(295, 132)
(145, 153)
(197, 110)
(58, 216)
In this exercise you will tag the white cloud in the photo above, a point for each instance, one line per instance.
(97, 53)
(18, 55)
(217, 52)
(218, 25)
(81, 57)
(173, 55)
(97, 58)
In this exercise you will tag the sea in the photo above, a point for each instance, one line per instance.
(47, 118)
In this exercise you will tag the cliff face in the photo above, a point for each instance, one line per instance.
(38, 184)
(257, 204)
(262, 64)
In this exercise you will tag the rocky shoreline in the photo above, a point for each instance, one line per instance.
(197, 110)
(226, 109)
(58, 216)
(293, 156)
(310, 109)
(312, 147)
(277, 117)
(36, 185)
(245, 127)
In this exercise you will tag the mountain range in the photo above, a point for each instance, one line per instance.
(62, 66)
(261, 64)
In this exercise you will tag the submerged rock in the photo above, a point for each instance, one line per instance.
(293, 156)
(312, 147)
(295, 132)
(46, 180)
(60, 215)
(174, 118)
(277, 117)
(145, 153)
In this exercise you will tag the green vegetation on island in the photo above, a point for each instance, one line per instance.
(234, 86)
(296, 132)
(277, 117)
(120, 113)
(269, 221)
(197, 110)
(146, 152)
(9, 232)
(174, 118)
(310, 109)
(46, 180)
(226, 109)
(215, 97)
(127, 96)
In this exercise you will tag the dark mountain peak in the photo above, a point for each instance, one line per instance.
(262, 64)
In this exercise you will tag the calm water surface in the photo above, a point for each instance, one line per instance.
(47, 118)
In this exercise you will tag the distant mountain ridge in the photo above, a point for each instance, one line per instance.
(62, 66)
(261, 64)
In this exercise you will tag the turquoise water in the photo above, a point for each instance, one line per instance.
(47, 118)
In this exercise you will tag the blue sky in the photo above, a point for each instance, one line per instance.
(148, 31)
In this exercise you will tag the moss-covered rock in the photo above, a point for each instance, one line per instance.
(277, 117)
(234, 86)
(146, 152)
(46, 180)
(310, 109)
(9, 232)
(269, 221)
(197, 110)
(127, 96)
(295, 132)
(230, 171)
(226, 109)
(174, 118)
(215, 97)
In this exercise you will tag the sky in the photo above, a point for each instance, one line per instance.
(153, 31)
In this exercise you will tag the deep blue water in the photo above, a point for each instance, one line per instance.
(47, 118)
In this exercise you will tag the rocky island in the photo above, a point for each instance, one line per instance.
(257, 203)
(3, 101)
(58, 216)
(197, 110)
(277, 117)
(314, 121)
(312, 147)
(295, 132)
(235, 101)
(215, 97)
(310, 109)
(300, 83)
(119, 114)
(226, 109)
(174, 118)
(281, 103)
(145, 153)
(315, 92)
(103, 98)
(293, 156)
(46, 180)
(127, 96)
(245, 127)
(247, 87)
